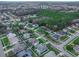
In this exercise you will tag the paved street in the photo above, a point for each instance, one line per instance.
(1, 50)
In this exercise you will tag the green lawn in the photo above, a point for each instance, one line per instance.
(42, 31)
(51, 48)
(49, 37)
(5, 41)
(64, 38)
(11, 54)
(72, 53)
(41, 40)
(34, 35)
(33, 51)
(76, 42)
(69, 47)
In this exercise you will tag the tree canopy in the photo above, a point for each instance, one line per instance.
(61, 19)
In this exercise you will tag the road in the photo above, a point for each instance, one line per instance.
(1, 50)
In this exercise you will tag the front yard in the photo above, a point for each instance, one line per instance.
(70, 46)
(51, 48)
(5, 41)
(64, 38)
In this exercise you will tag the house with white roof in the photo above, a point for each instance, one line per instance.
(50, 54)
(12, 38)
(41, 48)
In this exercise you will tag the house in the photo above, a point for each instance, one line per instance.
(12, 38)
(73, 26)
(56, 36)
(76, 48)
(35, 25)
(50, 54)
(21, 23)
(18, 47)
(61, 54)
(26, 35)
(69, 27)
(76, 21)
(15, 42)
(63, 33)
(77, 24)
(41, 48)
(31, 16)
(22, 31)
(24, 53)
(33, 41)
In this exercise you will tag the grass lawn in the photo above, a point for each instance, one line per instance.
(5, 41)
(42, 31)
(72, 53)
(76, 28)
(76, 41)
(41, 40)
(49, 37)
(10, 54)
(34, 35)
(64, 38)
(33, 53)
(69, 47)
(51, 48)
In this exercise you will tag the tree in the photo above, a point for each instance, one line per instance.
(69, 47)
(61, 19)
(76, 41)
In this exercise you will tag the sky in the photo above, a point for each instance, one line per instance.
(39, 0)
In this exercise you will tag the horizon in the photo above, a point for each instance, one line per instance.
(40, 0)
